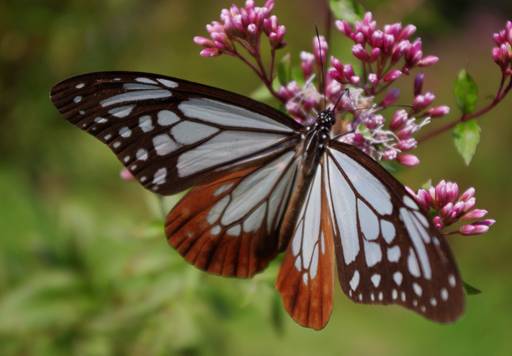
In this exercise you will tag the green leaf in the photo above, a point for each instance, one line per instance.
(466, 136)
(348, 10)
(284, 70)
(470, 290)
(466, 92)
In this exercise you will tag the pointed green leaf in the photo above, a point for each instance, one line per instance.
(466, 136)
(470, 290)
(348, 10)
(466, 92)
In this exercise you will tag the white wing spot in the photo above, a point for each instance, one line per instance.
(381, 296)
(403, 296)
(372, 253)
(394, 294)
(168, 83)
(368, 220)
(116, 144)
(412, 264)
(143, 179)
(122, 112)
(360, 297)
(127, 159)
(167, 118)
(160, 176)
(82, 112)
(417, 289)
(444, 294)
(452, 281)
(235, 231)
(108, 137)
(215, 231)
(354, 282)
(77, 99)
(145, 123)
(423, 308)
(188, 133)
(80, 86)
(163, 144)
(305, 278)
(100, 120)
(398, 277)
(125, 132)
(433, 302)
(145, 80)
(394, 254)
(372, 297)
(388, 231)
(142, 154)
(216, 211)
(376, 280)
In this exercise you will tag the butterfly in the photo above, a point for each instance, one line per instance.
(262, 184)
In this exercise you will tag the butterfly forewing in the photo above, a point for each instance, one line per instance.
(387, 250)
(173, 134)
(230, 227)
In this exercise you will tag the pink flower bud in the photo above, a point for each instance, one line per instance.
(418, 83)
(210, 52)
(428, 61)
(391, 97)
(439, 111)
(469, 230)
(475, 214)
(468, 194)
(392, 76)
(408, 160)
(407, 32)
(360, 53)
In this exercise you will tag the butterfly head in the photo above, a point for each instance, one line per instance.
(326, 119)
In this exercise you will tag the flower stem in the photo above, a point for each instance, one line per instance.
(500, 95)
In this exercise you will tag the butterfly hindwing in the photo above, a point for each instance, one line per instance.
(230, 226)
(170, 133)
(387, 250)
(305, 279)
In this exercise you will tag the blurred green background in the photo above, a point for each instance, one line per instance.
(84, 265)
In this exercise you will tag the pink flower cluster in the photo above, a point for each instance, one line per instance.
(448, 206)
(386, 54)
(502, 53)
(244, 26)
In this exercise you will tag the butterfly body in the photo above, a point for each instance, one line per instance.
(262, 184)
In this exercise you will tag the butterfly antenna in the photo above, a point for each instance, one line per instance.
(322, 68)
(346, 91)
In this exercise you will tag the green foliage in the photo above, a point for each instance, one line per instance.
(466, 92)
(284, 70)
(470, 290)
(348, 10)
(466, 136)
